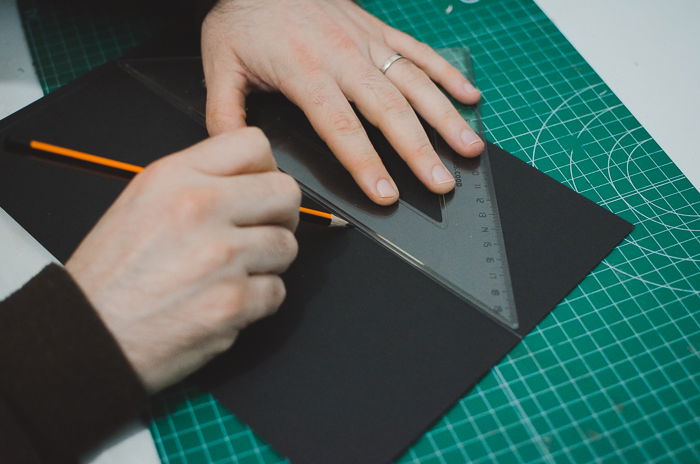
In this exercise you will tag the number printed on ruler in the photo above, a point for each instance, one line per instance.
(486, 242)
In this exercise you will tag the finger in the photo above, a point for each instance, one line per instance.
(264, 294)
(437, 67)
(242, 151)
(264, 249)
(337, 124)
(384, 106)
(226, 92)
(262, 199)
(435, 107)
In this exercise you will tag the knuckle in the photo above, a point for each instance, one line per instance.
(233, 300)
(253, 132)
(366, 162)
(195, 203)
(291, 244)
(339, 36)
(345, 42)
(449, 72)
(304, 57)
(255, 144)
(285, 243)
(396, 106)
(291, 189)
(370, 77)
(226, 253)
(219, 120)
(276, 292)
(218, 254)
(448, 113)
(424, 150)
(223, 343)
(259, 143)
(345, 123)
(418, 79)
(284, 184)
(227, 300)
(318, 93)
(162, 168)
(423, 49)
(342, 40)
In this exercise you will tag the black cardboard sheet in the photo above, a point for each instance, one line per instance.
(366, 353)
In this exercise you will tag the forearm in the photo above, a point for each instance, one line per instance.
(65, 383)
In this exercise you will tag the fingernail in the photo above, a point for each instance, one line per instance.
(385, 189)
(469, 137)
(471, 89)
(441, 175)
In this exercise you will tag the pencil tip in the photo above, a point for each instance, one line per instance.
(337, 222)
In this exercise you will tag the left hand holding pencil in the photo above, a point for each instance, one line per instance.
(190, 253)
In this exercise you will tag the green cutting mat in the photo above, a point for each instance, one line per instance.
(613, 373)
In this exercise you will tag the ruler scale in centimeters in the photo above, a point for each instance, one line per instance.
(488, 284)
(491, 287)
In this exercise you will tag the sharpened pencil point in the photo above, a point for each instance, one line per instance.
(337, 222)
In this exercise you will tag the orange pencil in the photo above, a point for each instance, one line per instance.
(308, 214)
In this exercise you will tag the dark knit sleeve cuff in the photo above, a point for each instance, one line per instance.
(62, 373)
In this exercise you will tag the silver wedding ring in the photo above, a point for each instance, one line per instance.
(391, 60)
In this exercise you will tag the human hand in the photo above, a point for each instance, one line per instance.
(324, 54)
(189, 254)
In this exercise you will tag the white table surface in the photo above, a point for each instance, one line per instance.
(645, 50)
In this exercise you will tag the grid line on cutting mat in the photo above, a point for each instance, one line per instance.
(612, 374)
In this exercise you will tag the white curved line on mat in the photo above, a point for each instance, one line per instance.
(554, 111)
(655, 284)
(578, 136)
(622, 197)
(633, 240)
(629, 177)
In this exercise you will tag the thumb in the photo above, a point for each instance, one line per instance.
(226, 93)
(242, 151)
